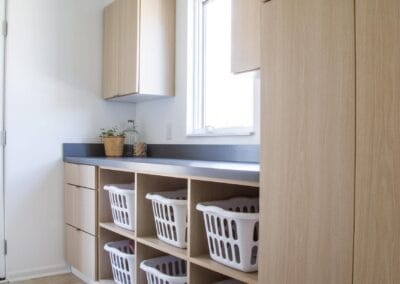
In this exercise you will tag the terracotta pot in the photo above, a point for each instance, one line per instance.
(114, 146)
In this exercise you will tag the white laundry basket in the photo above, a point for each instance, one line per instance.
(170, 216)
(165, 269)
(122, 200)
(122, 261)
(232, 231)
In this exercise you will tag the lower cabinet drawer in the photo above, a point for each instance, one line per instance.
(80, 251)
(80, 208)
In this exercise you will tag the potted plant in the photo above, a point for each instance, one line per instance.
(113, 140)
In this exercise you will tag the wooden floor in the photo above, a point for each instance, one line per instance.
(59, 279)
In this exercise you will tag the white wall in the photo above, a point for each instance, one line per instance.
(153, 117)
(53, 94)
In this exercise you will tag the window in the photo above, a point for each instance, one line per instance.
(222, 103)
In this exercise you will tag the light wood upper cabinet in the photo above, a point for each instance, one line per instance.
(139, 50)
(246, 26)
(307, 142)
(377, 219)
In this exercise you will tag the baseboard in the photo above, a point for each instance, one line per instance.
(82, 276)
(38, 272)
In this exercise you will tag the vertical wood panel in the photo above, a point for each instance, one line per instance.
(157, 47)
(377, 223)
(128, 52)
(110, 50)
(246, 27)
(307, 142)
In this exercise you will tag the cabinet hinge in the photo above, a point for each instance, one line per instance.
(5, 28)
(3, 138)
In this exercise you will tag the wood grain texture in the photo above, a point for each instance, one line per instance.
(81, 251)
(246, 31)
(157, 47)
(377, 224)
(110, 50)
(128, 52)
(307, 142)
(80, 208)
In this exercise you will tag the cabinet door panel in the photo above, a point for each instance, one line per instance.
(128, 73)
(110, 50)
(87, 176)
(307, 142)
(69, 204)
(85, 200)
(80, 251)
(246, 30)
(377, 224)
(71, 173)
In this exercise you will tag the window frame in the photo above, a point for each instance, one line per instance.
(195, 95)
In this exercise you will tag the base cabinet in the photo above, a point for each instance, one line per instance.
(80, 216)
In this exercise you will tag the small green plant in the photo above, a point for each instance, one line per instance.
(111, 132)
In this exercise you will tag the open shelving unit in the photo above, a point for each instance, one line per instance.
(201, 268)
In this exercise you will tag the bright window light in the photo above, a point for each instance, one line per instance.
(223, 102)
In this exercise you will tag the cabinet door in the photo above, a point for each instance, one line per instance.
(157, 47)
(377, 224)
(69, 205)
(246, 46)
(128, 72)
(85, 214)
(80, 251)
(80, 208)
(307, 142)
(110, 50)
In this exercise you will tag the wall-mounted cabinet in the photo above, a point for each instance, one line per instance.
(139, 50)
(246, 30)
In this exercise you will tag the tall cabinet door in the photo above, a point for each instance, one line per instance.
(110, 50)
(307, 142)
(377, 221)
(128, 72)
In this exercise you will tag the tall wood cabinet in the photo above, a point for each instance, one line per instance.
(377, 223)
(330, 142)
(139, 50)
(308, 146)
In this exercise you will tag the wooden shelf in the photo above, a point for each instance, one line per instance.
(154, 242)
(118, 230)
(206, 262)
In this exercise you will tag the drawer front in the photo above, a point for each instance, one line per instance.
(80, 175)
(81, 251)
(69, 205)
(80, 208)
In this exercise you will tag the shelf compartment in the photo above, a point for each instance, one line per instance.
(206, 262)
(118, 230)
(155, 243)
(145, 225)
(203, 191)
(200, 275)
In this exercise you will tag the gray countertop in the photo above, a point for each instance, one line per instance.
(248, 172)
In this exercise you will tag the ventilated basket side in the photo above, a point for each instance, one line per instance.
(165, 269)
(170, 216)
(122, 201)
(122, 261)
(233, 236)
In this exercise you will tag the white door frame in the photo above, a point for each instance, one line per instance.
(3, 247)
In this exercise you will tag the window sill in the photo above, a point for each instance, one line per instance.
(220, 133)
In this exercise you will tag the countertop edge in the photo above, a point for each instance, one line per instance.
(150, 167)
